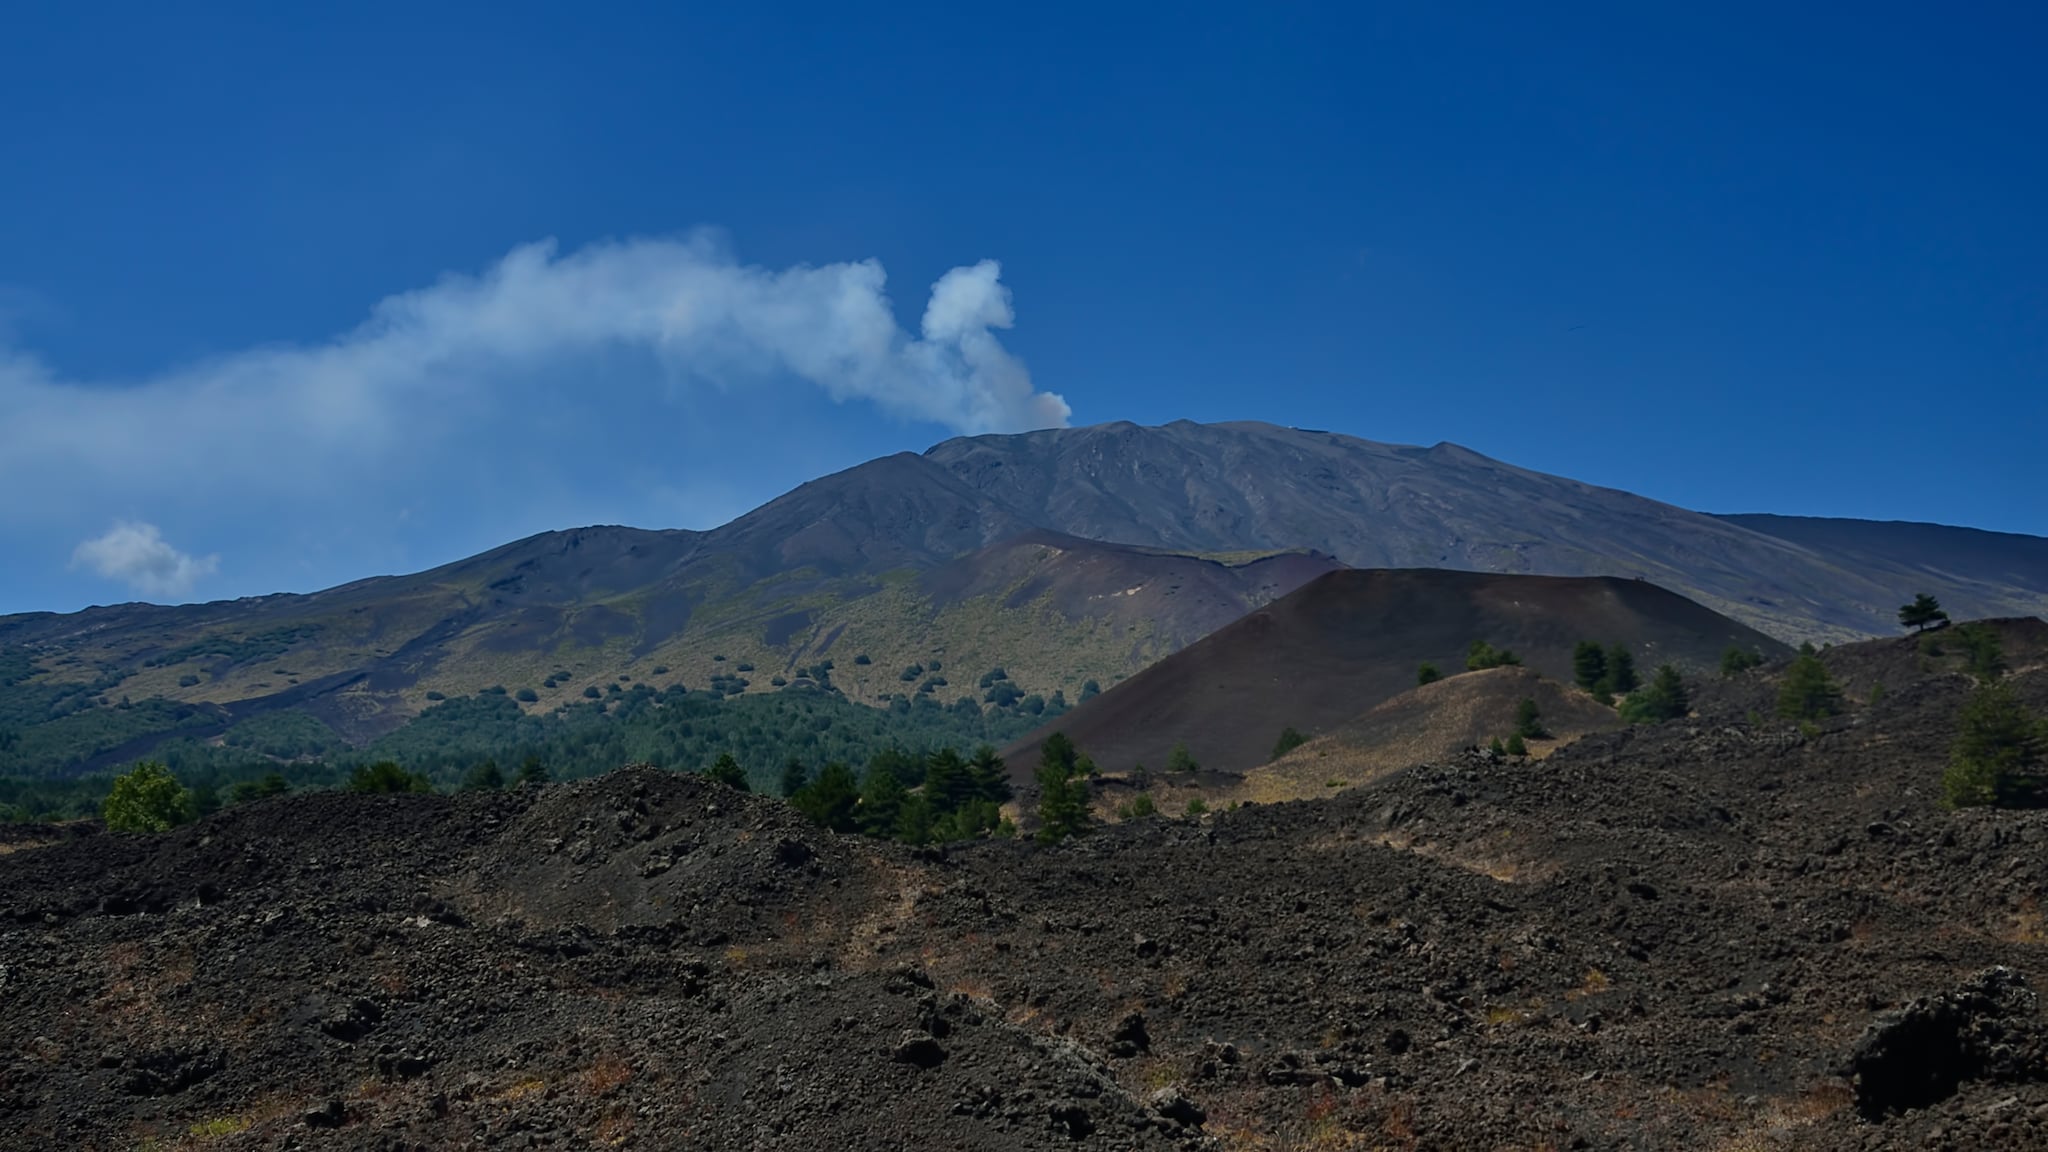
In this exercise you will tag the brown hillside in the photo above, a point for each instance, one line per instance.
(1349, 640)
(1425, 725)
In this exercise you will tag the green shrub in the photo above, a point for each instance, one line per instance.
(1482, 656)
(1736, 660)
(1515, 745)
(1181, 760)
(387, 777)
(1427, 674)
(526, 696)
(1137, 808)
(147, 798)
(1197, 806)
(1529, 721)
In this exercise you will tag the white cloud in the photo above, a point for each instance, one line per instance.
(138, 555)
(430, 369)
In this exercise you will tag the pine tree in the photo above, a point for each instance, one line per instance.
(991, 776)
(485, 777)
(1664, 699)
(881, 803)
(1589, 665)
(1808, 693)
(948, 781)
(727, 771)
(1923, 612)
(1181, 760)
(1427, 674)
(1997, 755)
(914, 819)
(1289, 740)
(1982, 652)
(531, 772)
(1621, 670)
(1529, 721)
(831, 800)
(1062, 790)
(1516, 746)
(795, 778)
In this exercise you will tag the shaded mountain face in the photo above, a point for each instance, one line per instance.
(1985, 574)
(1315, 659)
(1213, 487)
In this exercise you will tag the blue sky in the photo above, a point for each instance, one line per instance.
(289, 298)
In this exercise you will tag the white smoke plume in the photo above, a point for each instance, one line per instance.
(432, 364)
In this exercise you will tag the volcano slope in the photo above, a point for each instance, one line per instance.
(1719, 933)
(1346, 641)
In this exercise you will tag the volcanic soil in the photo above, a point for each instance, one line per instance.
(1726, 932)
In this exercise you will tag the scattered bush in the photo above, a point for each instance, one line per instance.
(1736, 660)
(1197, 806)
(862, 660)
(1482, 656)
(526, 696)
(1137, 808)
(1427, 674)
(591, 693)
(1181, 760)
(436, 697)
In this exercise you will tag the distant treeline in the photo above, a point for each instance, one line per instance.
(673, 728)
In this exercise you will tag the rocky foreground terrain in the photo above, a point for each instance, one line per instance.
(1720, 933)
